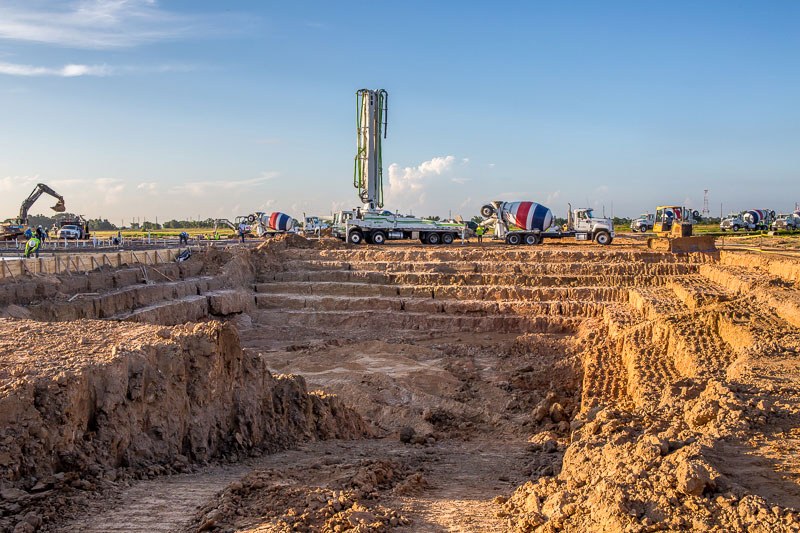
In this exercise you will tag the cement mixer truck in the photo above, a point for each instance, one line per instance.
(754, 219)
(268, 224)
(530, 223)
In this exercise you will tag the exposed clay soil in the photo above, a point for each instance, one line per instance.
(561, 387)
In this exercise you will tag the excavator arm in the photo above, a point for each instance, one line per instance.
(40, 189)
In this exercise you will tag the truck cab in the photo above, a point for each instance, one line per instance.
(313, 224)
(733, 221)
(643, 223)
(586, 226)
(787, 222)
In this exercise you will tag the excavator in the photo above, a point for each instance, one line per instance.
(11, 229)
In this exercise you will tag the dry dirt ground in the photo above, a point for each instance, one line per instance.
(323, 387)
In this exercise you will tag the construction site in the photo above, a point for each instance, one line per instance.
(391, 372)
(311, 385)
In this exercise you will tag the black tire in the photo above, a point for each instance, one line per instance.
(531, 239)
(643, 229)
(513, 239)
(355, 237)
(251, 218)
(448, 238)
(378, 237)
(735, 227)
(487, 211)
(603, 238)
(433, 238)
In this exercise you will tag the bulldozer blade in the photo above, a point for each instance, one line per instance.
(59, 207)
(679, 245)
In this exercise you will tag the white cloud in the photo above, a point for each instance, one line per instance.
(202, 188)
(602, 189)
(460, 181)
(402, 180)
(110, 189)
(95, 23)
(148, 187)
(12, 184)
(552, 197)
(67, 71)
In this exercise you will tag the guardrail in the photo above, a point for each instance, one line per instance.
(84, 262)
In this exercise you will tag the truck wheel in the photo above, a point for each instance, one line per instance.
(378, 237)
(433, 238)
(602, 237)
(643, 229)
(487, 211)
(356, 237)
(513, 239)
(531, 239)
(735, 227)
(447, 238)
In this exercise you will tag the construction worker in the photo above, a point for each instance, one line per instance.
(242, 230)
(32, 246)
(479, 232)
(28, 233)
(41, 233)
(184, 237)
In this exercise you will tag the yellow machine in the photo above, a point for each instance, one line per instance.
(674, 219)
(673, 226)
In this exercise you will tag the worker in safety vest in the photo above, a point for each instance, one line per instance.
(32, 246)
(479, 232)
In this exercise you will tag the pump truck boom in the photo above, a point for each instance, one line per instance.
(370, 223)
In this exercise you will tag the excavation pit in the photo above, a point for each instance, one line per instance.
(574, 387)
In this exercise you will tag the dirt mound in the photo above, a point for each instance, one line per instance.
(89, 400)
(624, 470)
(343, 498)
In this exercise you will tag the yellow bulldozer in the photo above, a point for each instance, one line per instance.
(674, 227)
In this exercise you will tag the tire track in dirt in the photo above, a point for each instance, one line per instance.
(160, 505)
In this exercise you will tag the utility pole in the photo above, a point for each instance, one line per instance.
(706, 210)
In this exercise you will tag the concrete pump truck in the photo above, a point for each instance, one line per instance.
(371, 223)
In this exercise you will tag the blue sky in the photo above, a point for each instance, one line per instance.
(176, 109)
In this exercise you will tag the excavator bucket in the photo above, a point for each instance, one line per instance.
(59, 207)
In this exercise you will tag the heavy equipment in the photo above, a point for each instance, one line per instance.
(643, 223)
(531, 223)
(371, 223)
(268, 224)
(670, 218)
(13, 228)
(786, 222)
(314, 224)
(754, 219)
(74, 227)
(674, 228)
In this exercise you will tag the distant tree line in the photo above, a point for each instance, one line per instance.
(207, 223)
